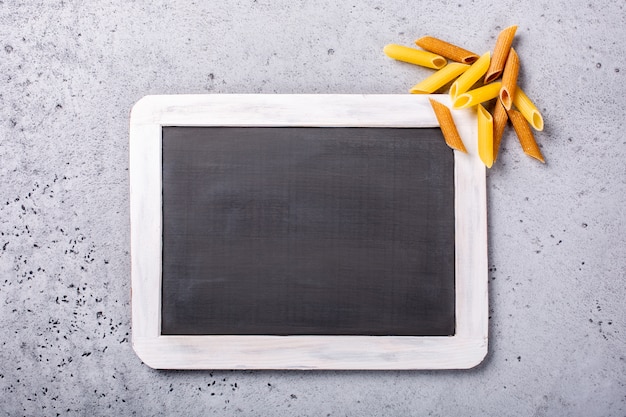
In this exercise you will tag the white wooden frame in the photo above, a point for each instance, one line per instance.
(465, 349)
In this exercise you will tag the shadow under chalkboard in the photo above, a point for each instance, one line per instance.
(307, 231)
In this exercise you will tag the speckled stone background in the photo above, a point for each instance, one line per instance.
(70, 70)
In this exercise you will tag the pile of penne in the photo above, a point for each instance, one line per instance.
(476, 80)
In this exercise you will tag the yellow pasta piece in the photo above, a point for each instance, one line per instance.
(525, 135)
(477, 96)
(485, 136)
(500, 53)
(509, 79)
(446, 50)
(439, 78)
(415, 56)
(500, 118)
(528, 109)
(448, 128)
(469, 77)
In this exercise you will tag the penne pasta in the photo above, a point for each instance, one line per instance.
(500, 118)
(528, 109)
(485, 136)
(448, 128)
(446, 50)
(472, 83)
(525, 135)
(469, 77)
(500, 53)
(477, 96)
(509, 79)
(439, 78)
(415, 56)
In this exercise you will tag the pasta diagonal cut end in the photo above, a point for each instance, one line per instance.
(500, 53)
(509, 79)
(537, 121)
(505, 97)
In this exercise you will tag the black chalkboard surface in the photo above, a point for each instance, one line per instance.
(307, 231)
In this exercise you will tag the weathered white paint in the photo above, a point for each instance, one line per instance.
(465, 349)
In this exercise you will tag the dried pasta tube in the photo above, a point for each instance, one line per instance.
(509, 79)
(477, 96)
(469, 77)
(485, 136)
(525, 135)
(500, 118)
(415, 56)
(500, 53)
(448, 128)
(439, 78)
(528, 109)
(446, 50)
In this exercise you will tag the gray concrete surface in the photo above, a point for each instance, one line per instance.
(70, 70)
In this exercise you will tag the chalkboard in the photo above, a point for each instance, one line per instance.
(304, 232)
(308, 231)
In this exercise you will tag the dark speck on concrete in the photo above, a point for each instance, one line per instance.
(8, 49)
